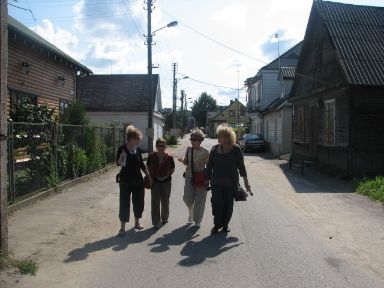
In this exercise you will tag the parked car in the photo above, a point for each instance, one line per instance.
(252, 142)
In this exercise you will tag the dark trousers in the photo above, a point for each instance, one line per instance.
(137, 191)
(222, 204)
(160, 193)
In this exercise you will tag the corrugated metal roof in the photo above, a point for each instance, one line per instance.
(357, 33)
(20, 28)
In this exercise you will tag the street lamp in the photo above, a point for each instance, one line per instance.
(150, 132)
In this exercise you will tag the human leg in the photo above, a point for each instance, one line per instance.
(155, 203)
(228, 197)
(138, 204)
(165, 194)
(189, 197)
(217, 206)
(199, 206)
(124, 206)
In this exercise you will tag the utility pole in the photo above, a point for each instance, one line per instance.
(150, 89)
(3, 127)
(182, 99)
(174, 96)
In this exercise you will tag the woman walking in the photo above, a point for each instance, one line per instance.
(161, 166)
(225, 163)
(195, 187)
(130, 178)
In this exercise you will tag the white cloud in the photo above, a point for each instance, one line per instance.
(233, 16)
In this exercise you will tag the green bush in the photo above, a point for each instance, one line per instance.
(373, 188)
(171, 139)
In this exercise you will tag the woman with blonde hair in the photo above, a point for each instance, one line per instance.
(195, 187)
(131, 179)
(226, 162)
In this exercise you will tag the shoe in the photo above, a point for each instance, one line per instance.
(190, 220)
(121, 233)
(197, 224)
(214, 230)
(225, 229)
(164, 221)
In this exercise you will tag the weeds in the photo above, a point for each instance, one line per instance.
(25, 266)
(373, 188)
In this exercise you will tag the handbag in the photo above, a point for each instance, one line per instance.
(198, 179)
(147, 183)
(240, 194)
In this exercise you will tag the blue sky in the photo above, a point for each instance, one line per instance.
(217, 43)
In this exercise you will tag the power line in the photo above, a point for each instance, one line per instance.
(211, 39)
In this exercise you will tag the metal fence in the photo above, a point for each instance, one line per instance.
(41, 156)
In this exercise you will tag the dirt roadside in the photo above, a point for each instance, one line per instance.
(47, 229)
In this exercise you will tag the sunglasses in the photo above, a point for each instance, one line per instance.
(194, 139)
(161, 145)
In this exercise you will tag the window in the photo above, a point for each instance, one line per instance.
(329, 122)
(231, 113)
(63, 106)
(18, 97)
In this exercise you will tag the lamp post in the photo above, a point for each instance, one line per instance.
(150, 132)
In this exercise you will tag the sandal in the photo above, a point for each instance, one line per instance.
(121, 233)
(138, 226)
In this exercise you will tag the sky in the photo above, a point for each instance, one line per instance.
(217, 44)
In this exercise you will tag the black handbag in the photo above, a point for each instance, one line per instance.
(240, 194)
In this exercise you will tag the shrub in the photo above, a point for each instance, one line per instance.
(373, 188)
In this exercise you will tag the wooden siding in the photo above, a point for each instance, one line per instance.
(271, 88)
(42, 80)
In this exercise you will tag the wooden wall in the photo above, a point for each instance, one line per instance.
(42, 80)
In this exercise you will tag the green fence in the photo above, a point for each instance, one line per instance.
(42, 156)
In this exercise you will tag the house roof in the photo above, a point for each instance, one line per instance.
(116, 93)
(356, 32)
(229, 107)
(287, 59)
(18, 28)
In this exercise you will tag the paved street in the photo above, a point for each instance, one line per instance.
(296, 231)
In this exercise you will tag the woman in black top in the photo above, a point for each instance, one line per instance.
(225, 163)
(131, 180)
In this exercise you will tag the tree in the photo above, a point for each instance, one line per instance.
(205, 103)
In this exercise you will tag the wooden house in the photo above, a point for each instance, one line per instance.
(38, 70)
(272, 83)
(122, 99)
(338, 92)
(234, 115)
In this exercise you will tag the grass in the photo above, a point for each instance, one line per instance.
(373, 188)
(25, 266)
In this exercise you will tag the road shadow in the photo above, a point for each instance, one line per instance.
(115, 243)
(314, 181)
(197, 252)
(175, 238)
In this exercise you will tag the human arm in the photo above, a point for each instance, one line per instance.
(120, 156)
(241, 167)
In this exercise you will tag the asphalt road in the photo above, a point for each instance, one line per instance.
(296, 231)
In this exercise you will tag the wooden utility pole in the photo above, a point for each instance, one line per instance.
(3, 127)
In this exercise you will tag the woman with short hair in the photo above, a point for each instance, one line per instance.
(161, 167)
(195, 187)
